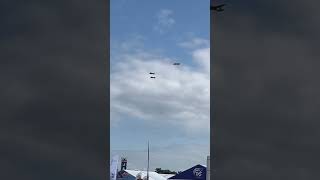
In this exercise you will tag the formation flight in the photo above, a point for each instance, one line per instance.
(152, 73)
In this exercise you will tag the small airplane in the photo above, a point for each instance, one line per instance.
(176, 64)
(151, 73)
(153, 77)
(218, 8)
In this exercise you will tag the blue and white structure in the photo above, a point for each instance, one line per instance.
(198, 172)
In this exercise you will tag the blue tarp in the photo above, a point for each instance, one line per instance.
(197, 172)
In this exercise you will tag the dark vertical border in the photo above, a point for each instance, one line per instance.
(107, 57)
(54, 95)
(265, 94)
(212, 147)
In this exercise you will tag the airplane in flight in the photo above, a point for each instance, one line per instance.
(176, 64)
(153, 77)
(218, 8)
(151, 73)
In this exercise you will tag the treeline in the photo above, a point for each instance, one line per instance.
(165, 171)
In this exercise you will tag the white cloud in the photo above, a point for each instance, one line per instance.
(179, 96)
(195, 43)
(202, 56)
(164, 20)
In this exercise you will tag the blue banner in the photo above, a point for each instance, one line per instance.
(197, 172)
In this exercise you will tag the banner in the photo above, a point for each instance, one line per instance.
(197, 172)
(114, 167)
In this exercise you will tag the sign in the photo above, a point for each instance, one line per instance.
(197, 172)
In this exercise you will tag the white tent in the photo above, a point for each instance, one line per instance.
(167, 176)
(152, 175)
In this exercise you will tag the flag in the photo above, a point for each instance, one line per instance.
(114, 167)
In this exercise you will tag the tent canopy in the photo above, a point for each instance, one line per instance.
(197, 172)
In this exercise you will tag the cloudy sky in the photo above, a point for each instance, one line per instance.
(171, 111)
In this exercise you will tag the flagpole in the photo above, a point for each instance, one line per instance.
(148, 163)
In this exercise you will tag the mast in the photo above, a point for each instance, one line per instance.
(148, 163)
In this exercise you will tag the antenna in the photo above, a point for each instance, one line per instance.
(148, 163)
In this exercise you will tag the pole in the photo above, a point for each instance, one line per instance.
(148, 163)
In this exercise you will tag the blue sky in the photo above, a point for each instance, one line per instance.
(172, 111)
